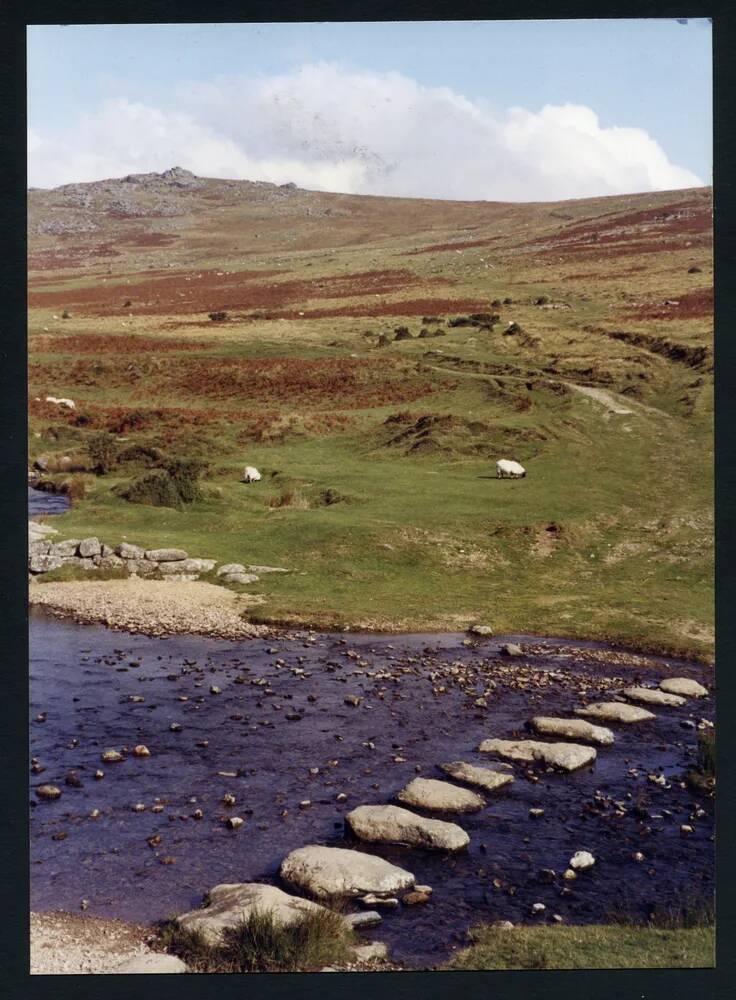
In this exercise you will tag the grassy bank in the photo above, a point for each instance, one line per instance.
(591, 947)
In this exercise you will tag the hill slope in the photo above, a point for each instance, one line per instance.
(575, 337)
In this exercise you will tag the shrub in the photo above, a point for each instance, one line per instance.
(541, 301)
(261, 943)
(402, 333)
(101, 448)
(66, 314)
(218, 316)
(185, 473)
(496, 303)
(75, 488)
(155, 489)
(508, 301)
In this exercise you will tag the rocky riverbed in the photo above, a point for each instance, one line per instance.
(292, 733)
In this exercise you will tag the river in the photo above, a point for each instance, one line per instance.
(83, 678)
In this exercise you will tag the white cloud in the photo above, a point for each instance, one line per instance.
(326, 127)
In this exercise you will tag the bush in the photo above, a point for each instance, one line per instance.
(219, 316)
(263, 944)
(66, 314)
(185, 473)
(75, 488)
(402, 333)
(101, 448)
(173, 485)
(541, 301)
(155, 489)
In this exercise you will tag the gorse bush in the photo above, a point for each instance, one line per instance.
(101, 448)
(261, 943)
(175, 484)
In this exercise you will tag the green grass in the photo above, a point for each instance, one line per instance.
(425, 540)
(263, 944)
(588, 947)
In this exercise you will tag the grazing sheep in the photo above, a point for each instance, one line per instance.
(251, 475)
(68, 403)
(508, 469)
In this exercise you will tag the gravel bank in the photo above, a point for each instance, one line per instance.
(153, 607)
(66, 944)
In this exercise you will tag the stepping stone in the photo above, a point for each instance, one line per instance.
(653, 696)
(567, 756)
(335, 871)
(393, 825)
(428, 793)
(573, 729)
(615, 711)
(683, 686)
(369, 952)
(362, 921)
(231, 903)
(481, 777)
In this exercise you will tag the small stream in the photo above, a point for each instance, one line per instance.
(418, 710)
(40, 502)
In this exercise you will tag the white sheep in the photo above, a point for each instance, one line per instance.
(68, 403)
(251, 475)
(505, 468)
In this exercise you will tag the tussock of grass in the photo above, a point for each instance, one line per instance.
(612, 946)
(702, 778)
(263, 944)
(289, 498)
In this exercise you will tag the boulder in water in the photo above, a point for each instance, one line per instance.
(336, 871)
(428, 793)
(615, 711)
(566, 756)
(481, 777)
(683, 686)
(394, 825)
(572, 728)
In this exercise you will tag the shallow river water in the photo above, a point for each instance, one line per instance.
(417, 711)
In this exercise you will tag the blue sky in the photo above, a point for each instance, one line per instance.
(109, 97)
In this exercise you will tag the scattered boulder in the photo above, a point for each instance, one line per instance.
(242, 578)
(615, 711)
(89, 547)
(582, 860)
(566, 756)
(111, 757)
(66, 548)
(572, 729)
(267, 569)
(336, 871)
(229, 904)
(231, 568)
(43, 563)
(370, 952)
(50, 792)
(362, 921)
(481, 630)
(482, 777)
(392, 825)
(653, 696)
(127, 551)
(428, 793)
(683, 686)
(170, 567)
(141, 567)
(511, 649)
(165, 555)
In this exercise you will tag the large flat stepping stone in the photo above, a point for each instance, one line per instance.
(653, 696)
(615, 711)
(573, 728)
(231, 903)
(567, 756)
(394, 825)
(428, 793)
(481, 777)
(683, 686)
(335, 871)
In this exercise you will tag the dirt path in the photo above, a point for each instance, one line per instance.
(607, 399)
(153, 607)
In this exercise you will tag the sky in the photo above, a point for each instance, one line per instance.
(491, 110)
